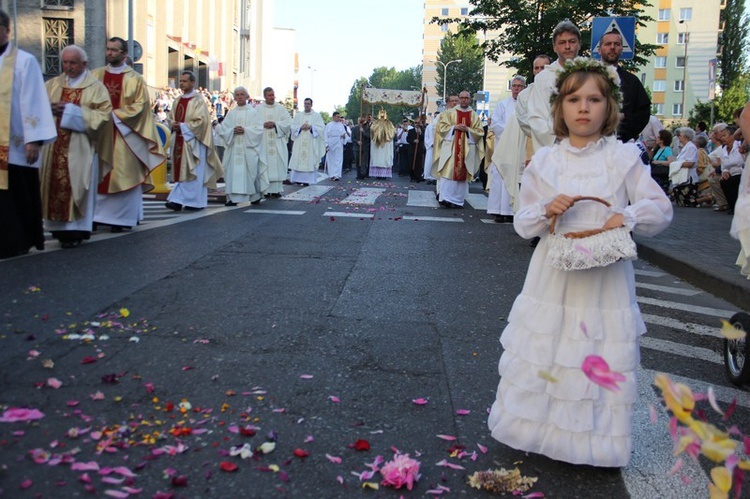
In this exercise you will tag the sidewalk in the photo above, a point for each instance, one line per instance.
(697, 248)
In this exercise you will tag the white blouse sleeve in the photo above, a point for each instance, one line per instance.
(530, 221)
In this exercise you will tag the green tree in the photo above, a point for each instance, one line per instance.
(733, 98)
(325, 116)
(465, 75)
(383, 77)
(524, 28)
(733, 42)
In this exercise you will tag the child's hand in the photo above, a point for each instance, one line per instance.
(558, 206)
(614, 221)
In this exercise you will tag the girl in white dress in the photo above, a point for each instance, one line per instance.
(545, 403)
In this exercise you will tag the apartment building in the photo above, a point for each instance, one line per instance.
(225, 42)
(677, 76)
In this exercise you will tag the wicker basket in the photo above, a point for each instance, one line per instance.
(589, 248)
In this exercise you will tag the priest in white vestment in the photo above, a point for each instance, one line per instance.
(309, 145)
(195, 165)
(459, 148)
(336, 137)
(245, 177)
(499, 202)
(273, 122)
(70, 170)
(26, 116)
(382, 132)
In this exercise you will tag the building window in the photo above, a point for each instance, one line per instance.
(686, 14)
(660, 61)
(676, 109)
(659, 109)
(58, 33)
(659, 86)
(57, 4)
(679, 62)
(662, 38)
(683, 38)
(663, 14)
(679, 85)
(443, 12)
(444, 28)
(464, 11)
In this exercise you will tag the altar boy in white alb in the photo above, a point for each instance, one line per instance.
(309, 145)
(336, 137)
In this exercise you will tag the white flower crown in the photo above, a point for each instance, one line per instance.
(588, 65)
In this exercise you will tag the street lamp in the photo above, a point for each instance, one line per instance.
(684, 66)
(312, 72)
(445, 74)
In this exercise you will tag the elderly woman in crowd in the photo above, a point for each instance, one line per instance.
(683, 173)
(662, 157)
(732, 163)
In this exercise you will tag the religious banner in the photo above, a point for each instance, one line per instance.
(412, 98)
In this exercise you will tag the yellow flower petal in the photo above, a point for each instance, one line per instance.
(730, 332)
(370, 485)
(124, 312)
(715, 493)
(547, 376)
(722, 478)
(718, 451)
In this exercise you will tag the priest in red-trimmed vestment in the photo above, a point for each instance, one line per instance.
(459, 149)
(70, 168)
(135, 148)
(195, 165)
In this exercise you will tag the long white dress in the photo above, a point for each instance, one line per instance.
(562, 317)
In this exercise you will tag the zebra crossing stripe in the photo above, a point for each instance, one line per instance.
(425, 199)
(363, 195)
(477, 201)
(688, 327)
(276, 212)
(682, 350)
(669, 289)
(715, 312)
(307, 194)
(348, 214)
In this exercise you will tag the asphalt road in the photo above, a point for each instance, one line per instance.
(314, 323)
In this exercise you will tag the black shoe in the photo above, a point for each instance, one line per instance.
(257, 201)
(230, 203)
(266, 195)
(116, 229)
(287, 182)
(534, 242)
(498, 219)
(276, 195)
(173, 206)
(192, 208)
(70, 243)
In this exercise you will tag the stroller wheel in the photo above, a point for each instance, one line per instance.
(737, 353)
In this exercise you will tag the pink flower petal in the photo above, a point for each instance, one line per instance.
(420, 401)
(482, 448)
(463, 412)
(712, 400)
(533, 495)
(25, 484)
(334, 399)
(122, 470)
(676, 467)
(90, 466)
(597, 370)
(112, 480)
(446, 464)
(334, 459)
(15, 414)
(306, 376)
(116, 493)
(450, 438)
(652, 412)
(54, 383)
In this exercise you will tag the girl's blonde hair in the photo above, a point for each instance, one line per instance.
(572, 83)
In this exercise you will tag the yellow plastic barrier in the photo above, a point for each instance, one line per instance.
(159, 174)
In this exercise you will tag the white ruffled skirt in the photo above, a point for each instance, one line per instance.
(556, 322)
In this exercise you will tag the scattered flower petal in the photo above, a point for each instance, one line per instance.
(228, 466)
(334, 459)
(597, 370)
(15, 414)
(450, 438)
(420, 401)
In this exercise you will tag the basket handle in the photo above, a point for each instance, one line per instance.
(575, 200)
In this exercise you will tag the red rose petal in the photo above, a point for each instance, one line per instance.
(228, 466)
(362, 445)
(301, 453)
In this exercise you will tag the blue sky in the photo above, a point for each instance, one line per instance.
(344, 40)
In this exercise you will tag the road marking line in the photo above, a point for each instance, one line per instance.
(715, 312)
(649, 273)
(309, 193)
(276, 212)
(477, 201)
(723, 393)
(363, 195)
(682, 350)
(422, 198)
(348, 214)
(688, 327)
(433, 219)
(668, 289)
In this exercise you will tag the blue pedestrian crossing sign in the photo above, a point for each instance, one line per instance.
(623, 25)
